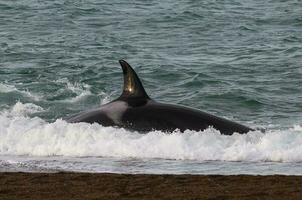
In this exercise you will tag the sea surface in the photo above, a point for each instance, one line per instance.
(239, 59)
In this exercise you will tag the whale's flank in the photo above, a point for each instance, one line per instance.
(135, 110)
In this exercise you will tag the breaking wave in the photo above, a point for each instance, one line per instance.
(23, 135)
(5, 88)
(81, 90)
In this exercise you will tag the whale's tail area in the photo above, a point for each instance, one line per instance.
(133, 87)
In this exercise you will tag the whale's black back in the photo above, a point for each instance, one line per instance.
(135, 110)
(167, 117)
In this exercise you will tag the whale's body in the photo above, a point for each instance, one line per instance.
(135, 110)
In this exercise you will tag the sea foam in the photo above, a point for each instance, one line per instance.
(81, 90)
(23, 135)
(5, 88)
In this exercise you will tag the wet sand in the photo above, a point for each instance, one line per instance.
(125, 186)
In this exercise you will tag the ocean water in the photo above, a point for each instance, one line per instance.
(241, 60)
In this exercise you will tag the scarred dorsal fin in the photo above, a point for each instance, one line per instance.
(133, 88)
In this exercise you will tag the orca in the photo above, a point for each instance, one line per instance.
(136, 111)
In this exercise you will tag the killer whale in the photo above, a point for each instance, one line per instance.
(135, 110)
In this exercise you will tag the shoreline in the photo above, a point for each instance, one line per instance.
(73, 185)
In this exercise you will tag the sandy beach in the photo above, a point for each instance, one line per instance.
(125, 186)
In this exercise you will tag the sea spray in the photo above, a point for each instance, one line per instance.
(23, 135)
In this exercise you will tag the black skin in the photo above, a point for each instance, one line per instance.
(167, 117)
(140, 113)
(164, 117)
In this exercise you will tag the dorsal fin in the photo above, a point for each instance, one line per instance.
(133, 88)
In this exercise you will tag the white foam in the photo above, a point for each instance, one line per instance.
(81, 90)
(21, 135)
(24, 109)
(105, 98)
(5, 88)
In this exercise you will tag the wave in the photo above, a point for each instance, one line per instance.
(5, 88)
(23, 135)
(80, 90)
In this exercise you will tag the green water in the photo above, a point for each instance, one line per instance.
(237, 59)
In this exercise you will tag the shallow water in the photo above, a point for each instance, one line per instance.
(144, 166)
(240, 60)
(32, 144)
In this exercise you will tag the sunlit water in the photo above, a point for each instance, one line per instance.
(240, 60)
